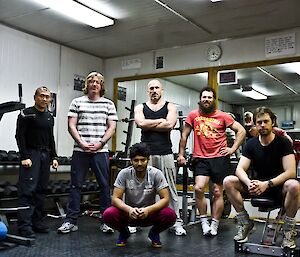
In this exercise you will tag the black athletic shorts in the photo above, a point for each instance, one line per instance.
(274, 193)
(216, 168)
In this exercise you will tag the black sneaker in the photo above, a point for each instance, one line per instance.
(41, 228)
(155, 239)
(122, 239)
(28, 233)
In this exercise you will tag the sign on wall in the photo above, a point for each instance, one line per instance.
(159, 62)
(52, 104)
(280, 45)
(122, 93)
(131, 64)
(78, 82)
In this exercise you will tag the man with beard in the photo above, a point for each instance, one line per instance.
(273, 160)
(134, 198)
(157, 118)
(211, 156)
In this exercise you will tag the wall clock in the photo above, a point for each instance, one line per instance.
(214, 53)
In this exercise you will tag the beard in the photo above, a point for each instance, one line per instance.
(209, 109)
(155, 97)
(264, 132)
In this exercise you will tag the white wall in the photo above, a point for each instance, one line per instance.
(27, 60)
(34, 62)
(72, 62)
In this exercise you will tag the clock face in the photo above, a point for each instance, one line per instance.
(214, 53)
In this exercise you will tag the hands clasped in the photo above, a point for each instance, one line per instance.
(90, 147)
(138, 213)
(257, 187)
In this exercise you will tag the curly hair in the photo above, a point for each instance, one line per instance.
(89, 78)
(139, 149)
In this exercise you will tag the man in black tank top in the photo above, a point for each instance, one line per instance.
(157, 118)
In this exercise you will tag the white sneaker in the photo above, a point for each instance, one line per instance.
(205, 228)
(289, 239)
(179, 230)
(214, 227)
(67, 227)
(106, 229)
(133, 230)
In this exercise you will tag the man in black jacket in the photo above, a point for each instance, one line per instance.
(36, 144)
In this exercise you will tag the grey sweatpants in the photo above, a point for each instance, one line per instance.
(166, 164)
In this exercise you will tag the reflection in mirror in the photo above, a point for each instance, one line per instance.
(279, 83)
(276, 82)
(183, 91)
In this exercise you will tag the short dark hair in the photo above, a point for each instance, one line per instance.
(264, 110)
(209, 89)
(39, 89)
(139, 149)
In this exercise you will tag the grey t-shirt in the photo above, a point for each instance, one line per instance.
(140, 193)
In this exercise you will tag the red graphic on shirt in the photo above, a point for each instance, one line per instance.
(206, 127)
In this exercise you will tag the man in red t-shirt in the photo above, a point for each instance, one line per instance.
(211, 154)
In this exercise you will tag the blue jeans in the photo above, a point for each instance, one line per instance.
(81, 162)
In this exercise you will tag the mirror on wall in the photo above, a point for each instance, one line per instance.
(278, 84)
(183, 91)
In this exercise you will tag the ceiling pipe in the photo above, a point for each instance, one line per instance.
(277, 79)
(182, 17)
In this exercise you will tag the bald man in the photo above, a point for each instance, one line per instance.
(157, 118)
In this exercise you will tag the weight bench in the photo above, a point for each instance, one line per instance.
(13, 240)
(267, 244)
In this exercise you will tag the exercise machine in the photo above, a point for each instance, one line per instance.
(268, 243)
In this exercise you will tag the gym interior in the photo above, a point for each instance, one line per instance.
(234, 46)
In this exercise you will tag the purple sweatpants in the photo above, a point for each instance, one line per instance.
(160, 220)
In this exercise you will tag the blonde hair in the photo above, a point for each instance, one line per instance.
(89, 78)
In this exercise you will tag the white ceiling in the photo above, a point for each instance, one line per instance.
(145, 25)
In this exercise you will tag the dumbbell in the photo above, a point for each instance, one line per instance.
(10, 190)
(1, 192)
(67, 185)
(84, 187)
(49, 187)
(58, 187)
(13, 156)
(119, 159)
(64, 160)
(3, 155)
(91, 186)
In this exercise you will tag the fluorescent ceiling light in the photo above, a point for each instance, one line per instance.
(78, 12)
(294, 66)
(203, 75)
(254, 94)
(215, 1)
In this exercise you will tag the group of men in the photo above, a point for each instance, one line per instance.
(92, 121)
